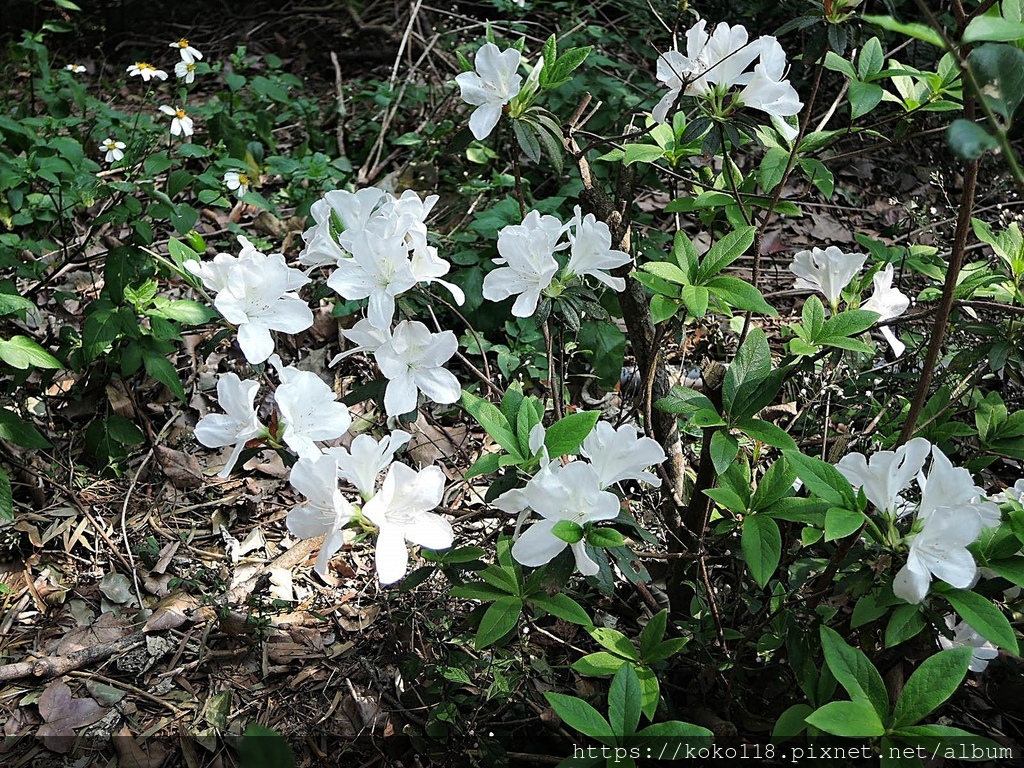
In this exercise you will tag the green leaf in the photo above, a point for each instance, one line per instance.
(667, 271)
(931, 684)
(813, 315)
(485, 465)
(847, 718)
(501, 578)
(624, 702)
(184, 311)
(23, 353)
(20, 432)
(604, 538)
(653, 633)
(776, 484)
(643, 153)
(773, 167)
(562, 606)
(848, 323)
(724, 448)
(904, 623)
(1002, 65)
(568, 531)
(122, 431)
(526, 135)
(685, 254)
(753, 363)
(600, 664)
(160, 368)
(739, 294)
(837, 63)
(10, 303)
(565, 435)
(871, 59)
(790, 723)
(969, 140)
(493, 421)
(762, 547)
(840, 523)
(671, 738)
(696, 299)
(767, 433)
(264, 748)
(579, 715)
(614, 641)
(684, 401)
(983, 617)
(6, 498)
(855, 673)
(499, 619)
(822, 479)
(864, 97)
(725, 252)
(477, 590)
(993, 29)
(917, 31)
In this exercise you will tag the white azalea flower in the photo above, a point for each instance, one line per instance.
(188, 53)
(716, 63)
(887, 474)
(964, 636)
(402, 512)
(366, 458)
(888, 302)
(953, 487)
(238, 424)
(75, 69)
(237, 182)
(412, 361)
(146, 71)
(254, 292)
(1015, 492)
(494, 84)
(379, 270)
(527, 253)
(619, 454)
(185, 70)
(309, 409)
(939, 549)
(321, 248)
(114, 150)
(181, 123)
(591, 251)
(366, 338)
(325, 513)
(828, 271)
(571, 492)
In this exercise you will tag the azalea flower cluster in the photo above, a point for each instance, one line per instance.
(830, 270)
(528, 265)
(577, 492)
(714, 70)
(949, 517)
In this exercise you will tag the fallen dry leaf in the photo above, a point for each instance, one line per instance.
(131, 755)
(430, 444)
(106, 629)
(182, 469)
(62, 714)
(171, 612)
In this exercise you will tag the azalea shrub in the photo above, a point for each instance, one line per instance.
(805, 523)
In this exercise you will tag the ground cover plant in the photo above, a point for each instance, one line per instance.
(605, 385)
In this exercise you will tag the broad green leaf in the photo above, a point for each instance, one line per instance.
(184, 311)
(931, 684)
(767, 433)
(915, 30)
(22, 353)
(643, 153)
(501, 578)
(847, 718)
(6, 497)
(122, 431)
(10, 303)
(600, 664)
(904, 623)
(562, 606)
(791, 723)
(653, 633)
(871, 59)
(477, 590)
(580, 716)
(624, 702)
(684, 401)
(855, 673)
(565, 435)
(671, 738)
(837, 63)
(667, 271)
(485, 465)
(822, 479)
(762, 547)
(724, 448)
(493, 421)
(983, 617)
(1011, 569)
(264, 748)
(160, 368)
(970, 140)
(685, 255)
(753, 362)
(773, 167)
(568, 531)
(696, 299)
(604, 537)
(19, 431)
(840, 523)
(993, 29)
(813, 315)
(725, 252)
(864, 97)
(614, 641)
(848, 323)
(499, 619)
(739, 294)
(1003, 66)
(776, 483)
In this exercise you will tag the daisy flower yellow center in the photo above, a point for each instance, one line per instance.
(190, 67)
(111, 144)
(179, 113)
(145, 66)
(183, 43)
(243, 179)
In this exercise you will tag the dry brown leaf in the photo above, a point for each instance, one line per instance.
(171, 612)
(430, 444)
(131, 755)
(354, 618)
(829, 230)
(62, 714)
(106, 629)
(182, 469)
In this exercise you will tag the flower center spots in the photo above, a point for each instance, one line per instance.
(183, 43)
(243, 179)
(145, 66)
(179, 113)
